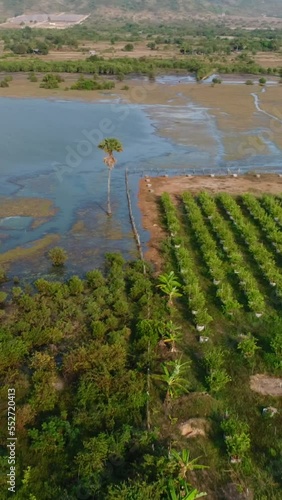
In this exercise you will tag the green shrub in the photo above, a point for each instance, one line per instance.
(3, 297)
(51, 81)
(129, 47)
(4, 84)
(249, 82)
(32, 77)
(3, 276)
(262, 81)
(58, 256)
(87, 84)
(76, 286)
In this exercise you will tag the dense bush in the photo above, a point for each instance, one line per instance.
(51, 81)
(87, 84)
(58, 256)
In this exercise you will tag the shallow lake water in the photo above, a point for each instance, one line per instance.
(49, 149)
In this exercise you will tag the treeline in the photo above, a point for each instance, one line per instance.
(129, 66)
(76, 355)
(27, 40)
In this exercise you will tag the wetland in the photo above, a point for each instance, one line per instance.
(53, 176)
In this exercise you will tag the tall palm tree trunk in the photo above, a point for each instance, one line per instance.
(109, 192)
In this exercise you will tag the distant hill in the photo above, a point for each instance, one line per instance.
(145, 8)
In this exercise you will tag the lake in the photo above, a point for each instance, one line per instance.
(49, 150)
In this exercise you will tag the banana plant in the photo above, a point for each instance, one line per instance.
(173, 378)
(171, 334)
(183, 492)
(182, 461)
(170, 286)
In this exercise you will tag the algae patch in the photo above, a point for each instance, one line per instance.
(26, 207)
(37, 247)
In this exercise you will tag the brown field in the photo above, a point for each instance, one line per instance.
(148, 201)
(269, 60)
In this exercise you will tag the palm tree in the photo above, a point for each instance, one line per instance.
(110, 145)
(170, 286)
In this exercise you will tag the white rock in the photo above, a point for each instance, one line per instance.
(270, 410)
(202, 340)
(200, 328)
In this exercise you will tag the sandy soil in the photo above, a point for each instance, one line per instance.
(266, 385)
(148, 199)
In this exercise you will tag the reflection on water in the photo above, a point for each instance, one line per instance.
(49, 149)
(16, 223)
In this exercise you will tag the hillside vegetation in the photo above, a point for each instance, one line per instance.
(180, 7)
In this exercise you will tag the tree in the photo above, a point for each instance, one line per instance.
(110, 145)
(58, 256)
(248, 347)
(262, 81)
(129, 47)
(170, 286)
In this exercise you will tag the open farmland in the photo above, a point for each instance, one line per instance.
(220, 240)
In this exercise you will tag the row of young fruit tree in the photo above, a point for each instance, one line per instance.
(237, 259)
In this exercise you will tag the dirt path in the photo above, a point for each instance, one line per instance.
(148, 199)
